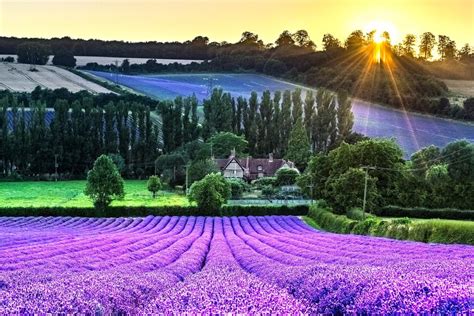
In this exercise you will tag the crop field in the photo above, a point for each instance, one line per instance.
(71, 194)
(462, 87)
(18, 77)
(412, 131)
(159, 265)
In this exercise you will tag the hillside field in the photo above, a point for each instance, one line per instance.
(412, 131)
(70, 194)
(19, 78)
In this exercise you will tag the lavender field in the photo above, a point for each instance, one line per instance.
(217, 265)
(412, 131)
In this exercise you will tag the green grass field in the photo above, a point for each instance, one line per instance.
(70, 194)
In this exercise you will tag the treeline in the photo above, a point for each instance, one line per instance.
(432, 178)
(79, 132)
(266, 122)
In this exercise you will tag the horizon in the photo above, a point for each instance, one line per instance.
(148, 19)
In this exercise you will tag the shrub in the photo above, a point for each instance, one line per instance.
(422, 212)
(437, 231)
(154, 185)
(237, 187)
(262, 182)
(286, 176)
(104, 183)
(211, 192)
(347, 191)
(357, 214)
(140, 211)
(268, 191)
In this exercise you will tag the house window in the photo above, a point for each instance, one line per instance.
(259, 168)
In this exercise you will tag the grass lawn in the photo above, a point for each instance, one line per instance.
(70, 194)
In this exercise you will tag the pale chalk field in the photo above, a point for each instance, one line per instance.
(19, 78)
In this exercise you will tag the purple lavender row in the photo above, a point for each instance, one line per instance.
(338, 287)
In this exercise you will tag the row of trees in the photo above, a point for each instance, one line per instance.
(435, 178)
(201, 48)
(270, 123)
(34, 141)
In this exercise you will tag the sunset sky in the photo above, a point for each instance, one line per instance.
(167, 20)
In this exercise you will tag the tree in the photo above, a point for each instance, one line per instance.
(118, 161)
(347, 191)
(459, 157)
(298, 146)
(64, 58)
(427, 43)
(224, 143)
(446, 47)
(408, 45)
(153, 185)
(345, 117)
(330, 42)
(33, 53)
(104, 183)
(199, 169)
(355, 40)
(237, 187)
(464, 52)
(285, 39)
(286, 176)
(423, 159)
(210, 193)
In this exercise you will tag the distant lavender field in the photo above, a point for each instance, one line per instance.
(412, 131)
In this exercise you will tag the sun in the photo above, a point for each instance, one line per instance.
(378, 36)
(380, 27)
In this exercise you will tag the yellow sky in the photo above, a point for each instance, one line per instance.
(166, 20)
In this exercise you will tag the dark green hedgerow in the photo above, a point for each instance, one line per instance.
(422, 212)
(134, 211)
(434, 230)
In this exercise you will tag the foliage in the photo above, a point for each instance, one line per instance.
(104, 183)
(237, 187)
(423, 212)
(210, 192)
(33, 53)
(81, 128)
(264, 181)
(199, 169)
(268, 191)
(64, 58)
(223, 143)
(346, 191)
(433, 231)
(153, 185)
(298, 146)
(286, 176)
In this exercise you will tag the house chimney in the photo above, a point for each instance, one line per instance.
(232, 153)
(270, 157)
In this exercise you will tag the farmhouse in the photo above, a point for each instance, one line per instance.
(251, 168)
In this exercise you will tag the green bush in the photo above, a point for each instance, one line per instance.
(422, 212)
(140, 211)
(435, 231)
(237, 187)
(262, 182)
(357, 214)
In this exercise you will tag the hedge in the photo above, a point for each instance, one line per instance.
(434, 230)
(421, 212)
(138, 211)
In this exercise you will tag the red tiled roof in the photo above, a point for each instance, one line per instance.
(250, 166)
